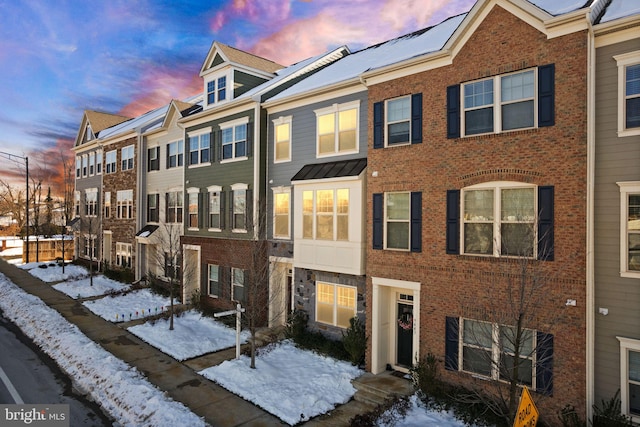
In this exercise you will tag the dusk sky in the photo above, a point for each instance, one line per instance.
(60, 58)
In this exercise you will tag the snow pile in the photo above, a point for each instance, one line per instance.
(130, 306)
(83, 289)
(120, 389)
(292, 384)
(53, 272)
(193, 335)
(418, 415)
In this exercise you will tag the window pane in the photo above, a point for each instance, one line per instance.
(326, 124)
(282, 132)
(325, 293)
(347, 140)
(477, 333)
(517, 115)
(398, 133)
(347, 120)
(633, 112)
(398, 235)
(307, 214)
(398, 109)
(398, 206)
(525, 369)
(327, 143)
(478, 205)
(478, 94)
(634, 366)
(476, 360)
(634, 251)
(324, 227)
(634, 399)
(478, 238)
(517, 239)
(517, 204)
(632, 80)
(517, 86)
(478, 121)
(282, 150)
(343, 316)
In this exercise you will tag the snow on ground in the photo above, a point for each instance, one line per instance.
(120, 389)
(193, 335)
(292, 384)
(130, 306)
(418, 416)
(83, 289)
(53, 272)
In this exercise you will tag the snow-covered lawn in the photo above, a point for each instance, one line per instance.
(292, 384)
(418, 415)
(193, 335)
(120, 389)
(53, 272)
(83, 289)
(130, 306)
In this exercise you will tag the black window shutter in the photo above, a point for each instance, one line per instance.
(219, 145)
(378, 125)
(546, 95)
(232, 224)
(157, 213)
(222, 212)
(545, 223)
(167, 158)
(249, 209)
(378, 212)
(212, 147)
(544, 363)
(416, 221)
(249, 139)
(200, 210)
(207, 210)
(453, 111)
(451, 344)
(416, 118)
(453, 222)
(166, 207)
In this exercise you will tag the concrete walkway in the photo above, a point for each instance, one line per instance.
(179, 380)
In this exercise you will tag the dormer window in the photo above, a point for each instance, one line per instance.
(89, 135)
(217, 90)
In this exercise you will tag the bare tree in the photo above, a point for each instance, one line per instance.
(12, 202)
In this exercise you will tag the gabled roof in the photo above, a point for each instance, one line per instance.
(337, 169)
(619, 9)
(100, 121)
(238, 57)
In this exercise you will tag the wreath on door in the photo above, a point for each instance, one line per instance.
(405, 321)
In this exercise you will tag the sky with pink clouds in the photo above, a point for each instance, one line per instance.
(60, 58)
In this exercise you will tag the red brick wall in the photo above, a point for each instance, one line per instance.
(124, 230)
(475, 287)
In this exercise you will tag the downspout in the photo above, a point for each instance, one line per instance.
(257, 146)
(591, 79)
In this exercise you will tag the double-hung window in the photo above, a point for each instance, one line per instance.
(282, 139)
(399, 121)
(78, 166)
(98, 162)
(216, 200)
(174, 207)
(499, 219)
(90, 246)
(397, 221)
(630, 229)
(193, 195)
(281, 213)
(237, 285)
(153, 159)
(337, 129)
(124, 204)
(234, 141)
(335, 304)
(520, 100)
(628, 93)
(153, 208)
(214, 281)
(123, 254)
(107, 204)
(239, 201)
(92, 164)
(175, 154)
(200, 148)
(91, 202)
(325, 214)
(630, 377)
(127, 154)
(76, 202)
(111, 161)
(85, 164)
(217, 90)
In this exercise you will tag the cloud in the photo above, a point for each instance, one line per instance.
(272, 12)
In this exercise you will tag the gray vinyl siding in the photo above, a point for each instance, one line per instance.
(303, 148)
(617, 159)
(244, 82)
(222, 174)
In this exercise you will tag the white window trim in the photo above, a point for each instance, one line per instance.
(630, 58)
(281, 190)
(277, 122)
(235, 187)
(177, 143)
(336, 108)
(385, 222)
(124, 204)
(234, 285)
(335, 303)
(92, 162)
(125, 249)
(133, 157)
(497, 238)
(386, 122)
(85, 165)
(191, 190)
(213, 189)
(626, 344)
(209, 294)
(114, 163)
(229, 88)
(232, 124)
(186, 146)
(497, 104)
(626, 188)
(93, 191)
(99, 162)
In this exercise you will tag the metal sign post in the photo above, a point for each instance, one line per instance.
(238, 312)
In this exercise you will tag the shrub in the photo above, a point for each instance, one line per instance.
(355, 340)
(570, 418)
(610, 414)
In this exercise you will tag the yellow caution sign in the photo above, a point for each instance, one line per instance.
(527, 415)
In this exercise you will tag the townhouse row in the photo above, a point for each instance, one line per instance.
(450, 187)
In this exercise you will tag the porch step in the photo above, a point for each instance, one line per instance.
(376, 389)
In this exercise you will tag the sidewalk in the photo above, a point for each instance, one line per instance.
(179, 380)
